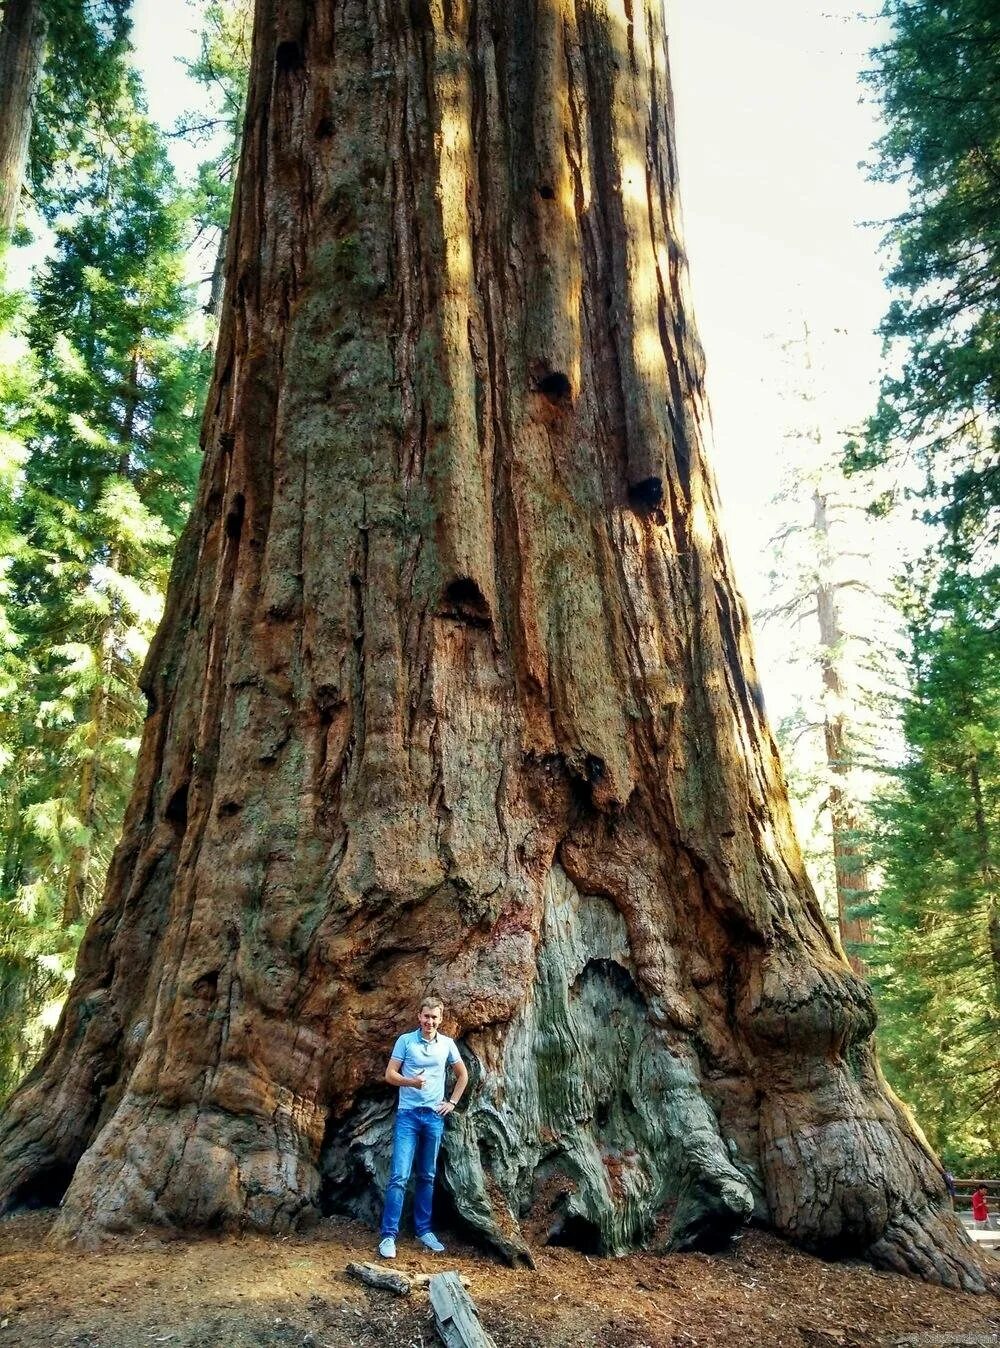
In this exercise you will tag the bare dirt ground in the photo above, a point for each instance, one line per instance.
(234, 1292)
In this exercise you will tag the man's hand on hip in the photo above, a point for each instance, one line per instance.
(444, 1108)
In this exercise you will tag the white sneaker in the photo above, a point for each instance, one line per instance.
(387, 1247)
(430, 1242)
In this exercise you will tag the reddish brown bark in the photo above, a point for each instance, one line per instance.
(454, 689)
(22, 45)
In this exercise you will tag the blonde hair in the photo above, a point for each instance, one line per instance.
(432, 1003)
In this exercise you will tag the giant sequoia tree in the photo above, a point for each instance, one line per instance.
(454, 689)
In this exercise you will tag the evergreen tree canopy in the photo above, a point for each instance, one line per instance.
(109, 434)
(221, 69)
(938, 956)
(937, 962)
(87, 46)
(938, 83)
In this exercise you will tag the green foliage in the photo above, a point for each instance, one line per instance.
(25, 981)
(221, 68)
(101, 419)
(937, 961)
(936, 964)
(938, 82)
(86, 45)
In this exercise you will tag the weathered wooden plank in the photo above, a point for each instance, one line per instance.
(375, 1276)
(455, 1314)
(419, 1281)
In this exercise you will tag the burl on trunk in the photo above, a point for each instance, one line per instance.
(454, 690)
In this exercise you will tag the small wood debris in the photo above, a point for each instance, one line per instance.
(375, 1276)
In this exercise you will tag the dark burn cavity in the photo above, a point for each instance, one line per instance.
(207, 986)
(464, 600)
(420, 14)
(177, 807)
(591, 786)
(546, 191)
(594, 768)
(556, 387)
(45, 1189)
(647, 495)
(576, 1233)
(288, 56)
(234, 516)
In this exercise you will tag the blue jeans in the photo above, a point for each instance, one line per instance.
(416, 1136)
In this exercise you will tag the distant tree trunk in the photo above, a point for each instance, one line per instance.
(454, 690)
(851, 875)
(22, 47)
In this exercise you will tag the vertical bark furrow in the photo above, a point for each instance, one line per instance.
(618, 102)
(459, 471)
(553, 302)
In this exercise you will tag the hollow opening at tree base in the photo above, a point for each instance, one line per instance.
(576, 1233)
(45, 1189)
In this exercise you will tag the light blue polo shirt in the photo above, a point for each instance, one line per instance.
(430, 1056)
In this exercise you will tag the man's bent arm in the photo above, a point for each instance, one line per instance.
(461, 1081)
(394, 1078)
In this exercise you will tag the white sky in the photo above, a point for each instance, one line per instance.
(163, 34)
(770, 129)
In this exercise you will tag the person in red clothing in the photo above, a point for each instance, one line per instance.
(980, 1212)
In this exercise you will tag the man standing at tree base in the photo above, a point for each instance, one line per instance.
(417, 1067)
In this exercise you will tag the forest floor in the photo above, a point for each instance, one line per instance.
(234, 1292)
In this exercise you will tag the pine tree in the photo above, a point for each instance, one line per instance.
(937, 953)
(938, 83)
(25, 980)
(221, 69)
(111, 435)
(937, 926)
(60, 71)
(22, 43)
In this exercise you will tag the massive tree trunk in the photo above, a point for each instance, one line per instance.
(454, 690)
(22, 46)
